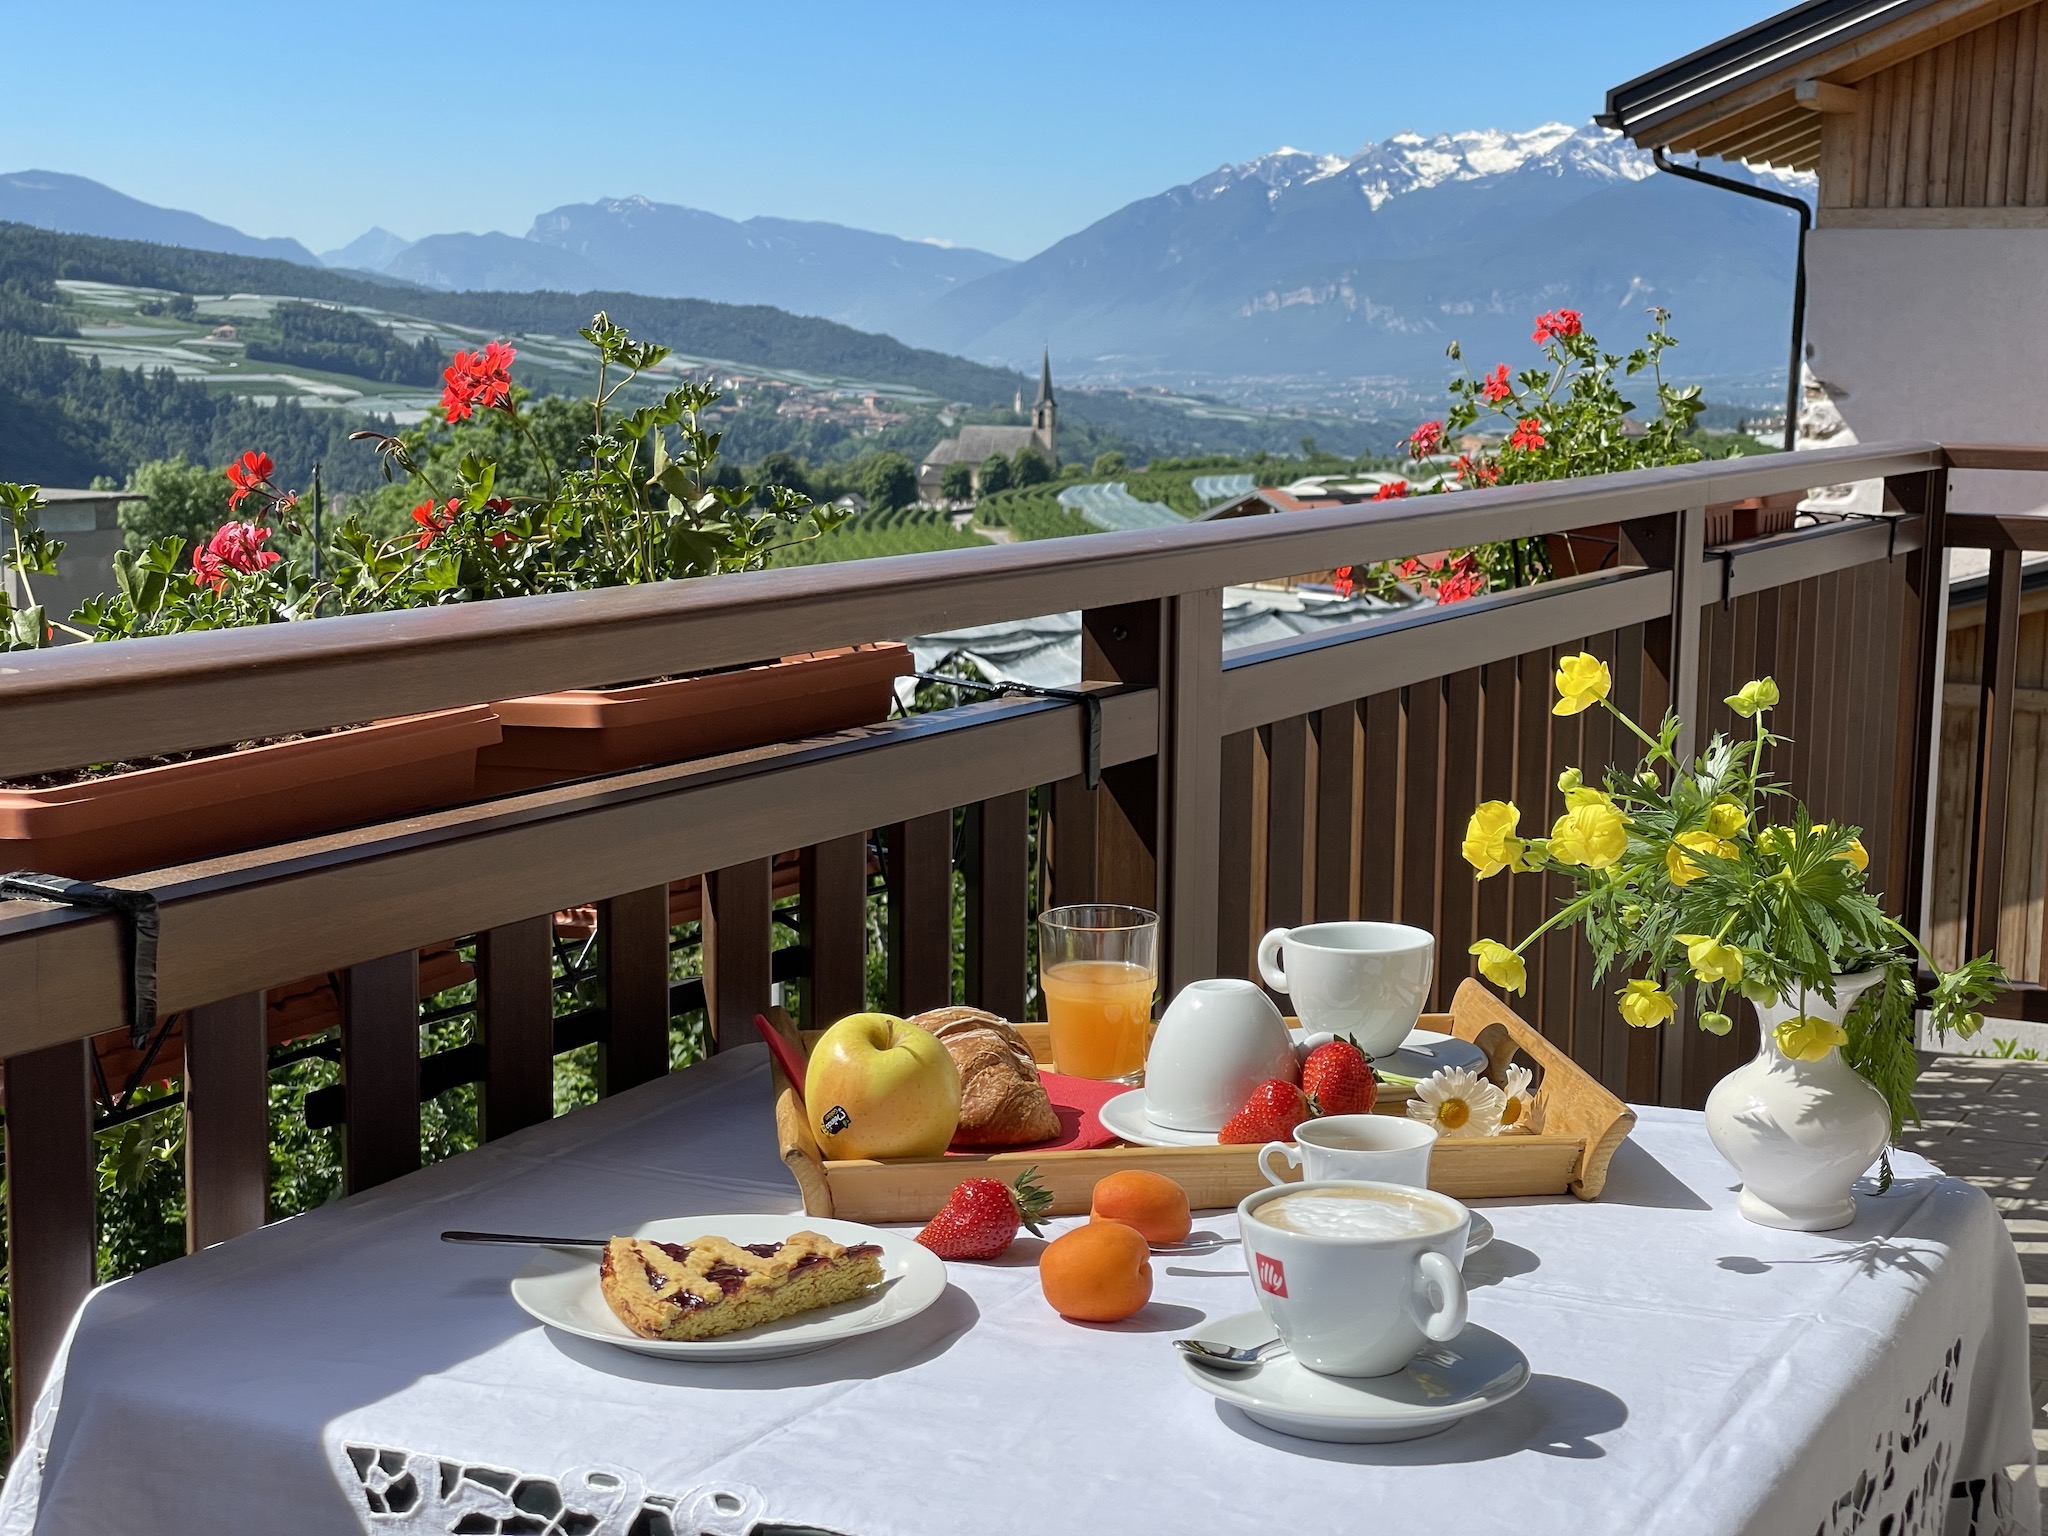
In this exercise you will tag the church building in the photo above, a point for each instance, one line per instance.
(974, 444)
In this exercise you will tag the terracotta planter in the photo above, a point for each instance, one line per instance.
(1754, 517)
(550, 737)
(208, 806)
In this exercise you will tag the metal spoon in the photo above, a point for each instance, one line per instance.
(1227, 1357)
(519, 1240)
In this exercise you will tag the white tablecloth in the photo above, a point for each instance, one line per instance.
(1694, 1373)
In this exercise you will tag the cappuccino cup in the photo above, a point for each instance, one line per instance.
(1353, 1275)
(1385, 1149)
(1365, 980)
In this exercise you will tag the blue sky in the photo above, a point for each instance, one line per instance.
(1003, 126)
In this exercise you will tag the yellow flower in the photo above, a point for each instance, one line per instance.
(1585, 794)
(1490, 842)
(1582, 681)
(1725, 818)
(1501, 966)
(1645, 1005)
(1855, 853)
(1809, 1039)
(1593, 835)
(1758, 695)
(1710, 959)
(1776, 841)
(1570, 780)
(1683, 869)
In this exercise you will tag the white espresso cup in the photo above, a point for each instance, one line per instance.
(1353, 1275)
(1216, 1042)
(1365, 980)
(1387, 1149)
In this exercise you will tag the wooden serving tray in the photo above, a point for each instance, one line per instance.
(1578, 1126)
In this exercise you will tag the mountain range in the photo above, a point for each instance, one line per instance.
(1290, 266)
(1371, 264)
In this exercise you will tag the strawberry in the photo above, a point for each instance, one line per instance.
(1338, 1079)
(981, 1217)
(1275, 1108)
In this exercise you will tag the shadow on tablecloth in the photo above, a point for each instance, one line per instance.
(1552, 1416)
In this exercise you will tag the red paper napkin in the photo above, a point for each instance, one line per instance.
(1075, 1100)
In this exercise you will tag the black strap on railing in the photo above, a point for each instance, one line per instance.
(138, 913)
(1091, 712)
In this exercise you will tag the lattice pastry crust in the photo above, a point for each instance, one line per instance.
(712, 1286)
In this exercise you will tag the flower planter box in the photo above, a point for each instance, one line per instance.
(550, 737)
(175, 813)
(1597, 546)
(1578, 1125)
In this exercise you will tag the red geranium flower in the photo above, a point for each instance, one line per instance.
(501, 505)
(1343, 580)
(1496, 386)
(247, 474)
(1392, 490)
(1426, 439)
(477, 381)
(1528, 435)
(233, 547)
(1476, 472)
(1557, 324)
(434, 520)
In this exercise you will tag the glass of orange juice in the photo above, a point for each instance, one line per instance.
(1098, 967)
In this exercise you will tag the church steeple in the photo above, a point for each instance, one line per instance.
(1045, 412)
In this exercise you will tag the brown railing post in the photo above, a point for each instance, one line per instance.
(1994, 749)
(1340, 780)
(920, 874)
(1190, 786)
(1671, 652)
(996, 851)
(227, 1121)
(52, 1184)
(635, 1046)
(1241, 853)
(738, 945)
(1290, 825)
(380, 1069)
(1127, 644)
(515, 1012)
(833, 918)
(1923, 634)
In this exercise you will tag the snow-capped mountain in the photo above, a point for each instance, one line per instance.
(1370, 264)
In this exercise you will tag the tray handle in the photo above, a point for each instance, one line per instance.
(1573, 1101)
(793, 1127)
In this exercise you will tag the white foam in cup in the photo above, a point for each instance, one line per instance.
(1348, 1213)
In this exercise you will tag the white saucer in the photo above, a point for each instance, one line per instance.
(1443, 1384)
(560, 1289)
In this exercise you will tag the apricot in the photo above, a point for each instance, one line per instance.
(1100, 1273)
(1151, 1203)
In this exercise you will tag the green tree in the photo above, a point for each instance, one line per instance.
(184, 500)
(1033, 467)
(994, 475)
(888, 480)
(1110, 463)
(781, 467)
(957, 483)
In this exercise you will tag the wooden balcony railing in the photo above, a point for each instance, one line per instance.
(1326, 776)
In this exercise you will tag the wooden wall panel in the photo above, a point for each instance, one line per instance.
(1963, 125)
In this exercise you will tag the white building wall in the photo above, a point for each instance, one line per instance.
(1930, 333)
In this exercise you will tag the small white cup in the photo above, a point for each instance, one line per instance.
(1357, 1305)
(1216, 1042)
(1365, 980)
(1385, 1149)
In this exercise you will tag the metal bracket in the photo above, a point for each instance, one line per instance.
(1727, 559)
(1091, 712)
(138, 913)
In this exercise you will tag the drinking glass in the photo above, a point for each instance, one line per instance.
(1098, 967)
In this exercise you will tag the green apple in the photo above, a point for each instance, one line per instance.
(878, 1086)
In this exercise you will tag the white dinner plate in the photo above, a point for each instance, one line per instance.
(560, 1288)
(1440, 1386)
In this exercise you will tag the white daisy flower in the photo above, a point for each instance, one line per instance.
(1457, 1103)
(1517, 1101)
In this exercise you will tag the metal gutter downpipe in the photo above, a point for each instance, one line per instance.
(1805, 212)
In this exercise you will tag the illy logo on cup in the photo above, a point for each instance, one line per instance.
(1272, 1275)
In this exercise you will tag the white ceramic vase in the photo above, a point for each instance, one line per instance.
(1800, 1132)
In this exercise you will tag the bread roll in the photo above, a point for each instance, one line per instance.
(1002, 1102)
